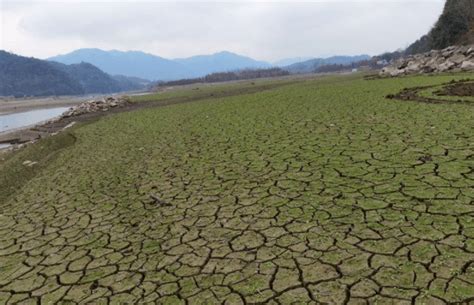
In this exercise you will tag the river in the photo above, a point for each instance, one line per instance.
(17, 120)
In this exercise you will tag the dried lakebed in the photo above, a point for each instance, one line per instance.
(317, 192)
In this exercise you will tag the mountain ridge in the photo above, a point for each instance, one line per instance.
(129, 63)
(154, 67)
(28, 76)
(310, 66)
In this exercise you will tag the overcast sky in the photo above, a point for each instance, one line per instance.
(269, 30)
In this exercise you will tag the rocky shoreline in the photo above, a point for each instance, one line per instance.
(451, 59)
(103, 104)
(20, 137)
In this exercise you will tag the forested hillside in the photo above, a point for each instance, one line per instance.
(91, 78)
(312, 65)
(22, 76)
(455, 26)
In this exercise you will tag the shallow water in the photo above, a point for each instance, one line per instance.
(23, 119)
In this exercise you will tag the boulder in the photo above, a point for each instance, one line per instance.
(392, 71)
(451, 59)
(446, 66)
(96, 105)
(397, 72)
(448, 51)
(413, 67)
(467, 66)
(457, 58)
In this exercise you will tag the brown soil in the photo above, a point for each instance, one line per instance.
(462, 88)
(458, 89)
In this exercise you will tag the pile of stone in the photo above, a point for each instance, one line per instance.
(96, 105)
(451, 59)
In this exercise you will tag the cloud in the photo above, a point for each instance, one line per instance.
(263, 30)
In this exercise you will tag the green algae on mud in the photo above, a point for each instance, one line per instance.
(18, 168)
(318, 191)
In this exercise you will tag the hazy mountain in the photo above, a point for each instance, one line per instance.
(131, 63)
(312, 65)
(152, 67)
(219, 62)
(23, 76)
(455, 26)
(289, 61)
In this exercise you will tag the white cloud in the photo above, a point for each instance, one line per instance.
(263, 30)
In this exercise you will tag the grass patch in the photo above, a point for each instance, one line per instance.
(16, 169)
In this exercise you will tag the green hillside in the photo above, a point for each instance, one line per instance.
(22, 76)
(26, 76)
(455, 26)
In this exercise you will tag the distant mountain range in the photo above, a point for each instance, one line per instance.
(24, 76)
(310, 66)
(289, 61)
(220, 62)
(152, 67)
(87, 71)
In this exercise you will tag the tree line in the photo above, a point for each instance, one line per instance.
(229, 76)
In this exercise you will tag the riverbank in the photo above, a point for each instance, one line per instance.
(175, 95)
(9, 106)
(28, 126)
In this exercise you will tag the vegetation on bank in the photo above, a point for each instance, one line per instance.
(455, 26)
(16, 170)
(319, 190)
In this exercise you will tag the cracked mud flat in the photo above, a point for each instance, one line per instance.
(319, 192)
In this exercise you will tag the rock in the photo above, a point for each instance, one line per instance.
(397, 72)
(29, 163)
(413, 67)
(391, 71)
(96, 105)
(448, 51)
(457, 58)
(446, 66)
(463, 50)
(402, 65)
(467, 66)
(427, 69)
(451, 59)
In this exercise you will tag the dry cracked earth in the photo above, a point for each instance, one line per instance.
(307, 199)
